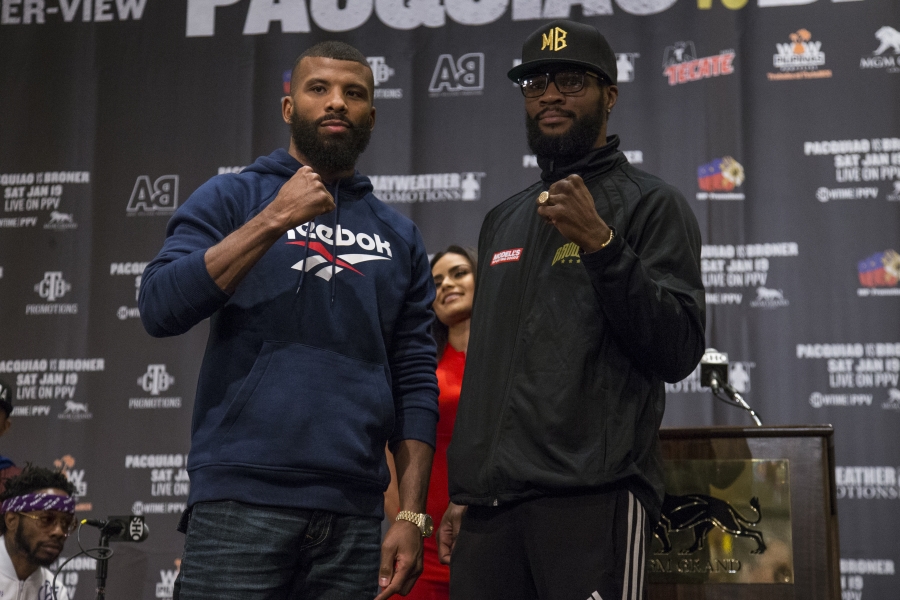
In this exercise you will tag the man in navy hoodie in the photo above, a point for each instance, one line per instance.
(319, 353)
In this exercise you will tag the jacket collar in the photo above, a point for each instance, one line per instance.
(597, 160)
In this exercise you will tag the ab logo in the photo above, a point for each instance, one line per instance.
(554, 40)
(159, 197)
(463, 75)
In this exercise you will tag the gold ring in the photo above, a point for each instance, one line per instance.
(542, 199)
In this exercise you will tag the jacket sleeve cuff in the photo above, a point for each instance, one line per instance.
(197, 288)
(415, 423)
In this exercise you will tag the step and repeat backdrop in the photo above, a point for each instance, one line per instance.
(779, 120)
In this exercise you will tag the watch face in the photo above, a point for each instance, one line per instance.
(427, 526)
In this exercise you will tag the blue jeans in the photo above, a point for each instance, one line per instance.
(236, 551)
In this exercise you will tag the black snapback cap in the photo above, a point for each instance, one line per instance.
(563, 41)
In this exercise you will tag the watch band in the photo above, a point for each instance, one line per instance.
(421, 520)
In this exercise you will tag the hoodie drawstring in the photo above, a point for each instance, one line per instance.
(334, 236)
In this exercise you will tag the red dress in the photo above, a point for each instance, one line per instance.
(434, 583)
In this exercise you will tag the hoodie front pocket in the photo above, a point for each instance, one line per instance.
(310, 409)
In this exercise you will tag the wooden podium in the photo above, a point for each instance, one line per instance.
(796, 558)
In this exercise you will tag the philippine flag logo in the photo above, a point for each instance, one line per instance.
(721, 175)
(880, 270)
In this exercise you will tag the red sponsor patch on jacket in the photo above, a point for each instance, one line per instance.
(504, 256)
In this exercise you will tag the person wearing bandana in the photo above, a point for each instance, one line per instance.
(38, 510)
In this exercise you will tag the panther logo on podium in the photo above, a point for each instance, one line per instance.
(702, 513)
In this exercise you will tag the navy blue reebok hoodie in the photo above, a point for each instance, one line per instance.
(321, 355)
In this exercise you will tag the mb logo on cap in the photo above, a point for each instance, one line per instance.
(563, 44)
(555, 39)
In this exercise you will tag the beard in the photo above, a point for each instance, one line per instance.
(31, 552)
(573, 143)
(333, 153)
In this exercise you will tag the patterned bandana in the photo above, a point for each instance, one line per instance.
(35, 502)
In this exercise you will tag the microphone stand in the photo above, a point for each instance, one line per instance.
(736, 398)
(104, 553)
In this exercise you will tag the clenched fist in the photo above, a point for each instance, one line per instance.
(302, 198)
(569, 207)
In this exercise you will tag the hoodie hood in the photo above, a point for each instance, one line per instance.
(282, 164)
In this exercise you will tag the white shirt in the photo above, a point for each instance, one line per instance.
(36, 587)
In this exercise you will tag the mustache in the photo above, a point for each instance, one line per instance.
(335, 117)
(554, 109)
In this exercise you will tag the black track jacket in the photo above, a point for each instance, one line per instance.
(563, 389)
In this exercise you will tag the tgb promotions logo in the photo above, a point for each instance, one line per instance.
(158, 197)
(718, 178)
(887, 55)
(156, 380)
(332, 264)
(799, 58)
(51, 288)
(462, 77)
(382, 72)
(681, 64)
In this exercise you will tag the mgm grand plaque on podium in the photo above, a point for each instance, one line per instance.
(748, 513)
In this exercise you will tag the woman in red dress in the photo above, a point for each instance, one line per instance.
(454, 279)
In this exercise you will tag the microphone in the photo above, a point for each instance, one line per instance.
(714, 375)
(130, 528)
(714, 369)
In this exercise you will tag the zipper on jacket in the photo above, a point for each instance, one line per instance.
(529, 260)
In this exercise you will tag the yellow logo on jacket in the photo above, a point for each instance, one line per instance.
(555, 39)
(567, 253)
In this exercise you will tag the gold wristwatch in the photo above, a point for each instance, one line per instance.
(420, 520)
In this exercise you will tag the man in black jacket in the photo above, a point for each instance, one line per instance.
(590, 298)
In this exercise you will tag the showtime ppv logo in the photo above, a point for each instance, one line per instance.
(320, 255)
(682, 65)
(462, 77)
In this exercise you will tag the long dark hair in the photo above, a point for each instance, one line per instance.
(439, 331)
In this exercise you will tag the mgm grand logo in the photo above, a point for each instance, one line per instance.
(724, 521)
(700, 514)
